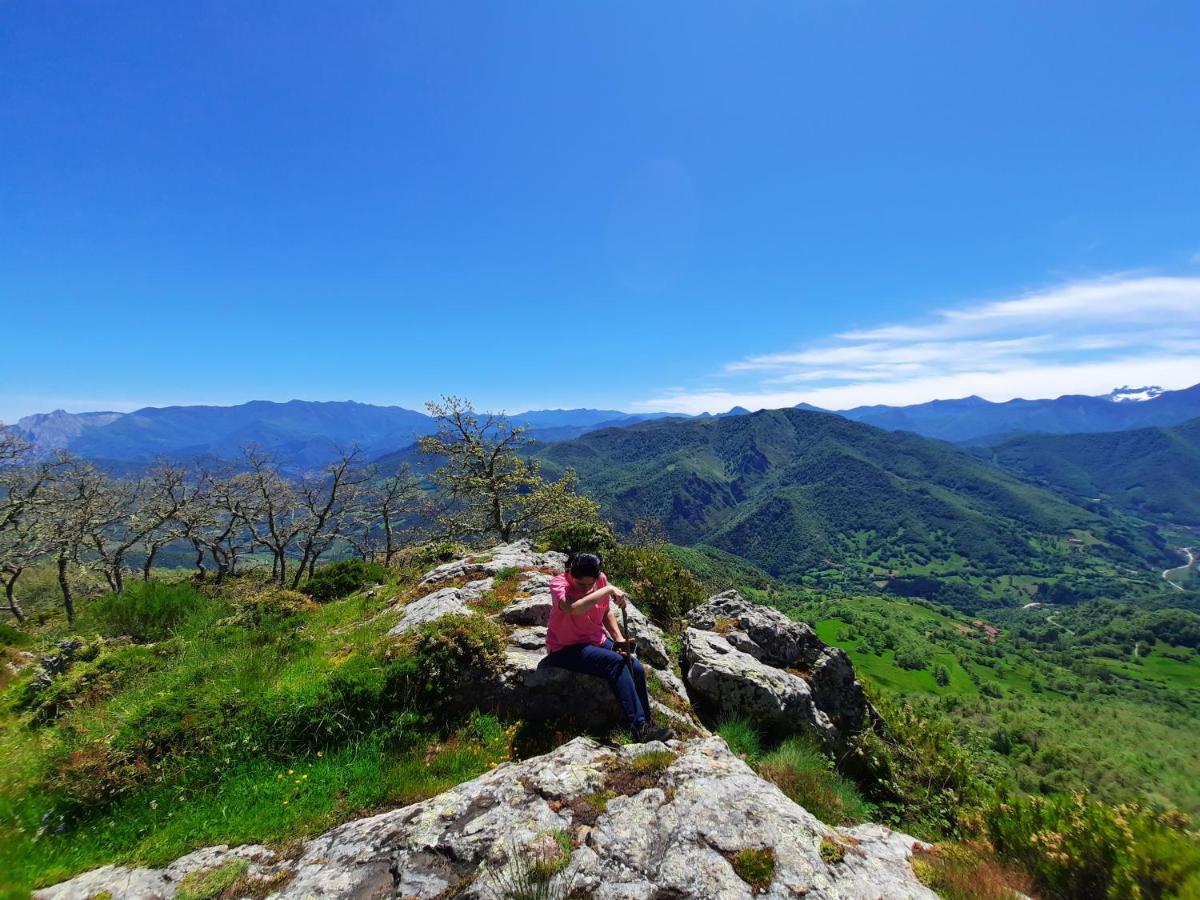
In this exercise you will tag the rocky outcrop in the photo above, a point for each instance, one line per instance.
(745, 659)
(460, 587)
(731, 682)
(517, 555)
(632, 823)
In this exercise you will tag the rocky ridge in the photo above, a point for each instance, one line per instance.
(642, 822)
(646, 821)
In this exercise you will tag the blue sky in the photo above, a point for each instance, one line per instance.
(638, 206)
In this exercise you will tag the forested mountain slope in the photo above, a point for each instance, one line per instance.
(1154, 472)
(795, 491)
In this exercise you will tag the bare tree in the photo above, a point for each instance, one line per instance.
(215, 521)
(82, 503)
(23, 496)
(326, 503)
(387, 515)
(277, 518)
(161, 517)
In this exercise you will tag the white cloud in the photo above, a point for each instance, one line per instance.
(1083, 337)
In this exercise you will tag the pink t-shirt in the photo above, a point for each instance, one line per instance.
(565, 629)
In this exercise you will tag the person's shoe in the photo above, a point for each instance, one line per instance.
(648, 731)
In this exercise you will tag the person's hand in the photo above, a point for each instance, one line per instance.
(619, 596)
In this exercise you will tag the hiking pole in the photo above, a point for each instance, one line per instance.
(629, 642)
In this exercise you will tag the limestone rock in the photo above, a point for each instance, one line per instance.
(671, 831)
(517, 555)
(431, 607)
(773, 639)
(732, 682)
(764, 633)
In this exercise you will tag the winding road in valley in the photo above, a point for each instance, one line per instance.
(1191, 561)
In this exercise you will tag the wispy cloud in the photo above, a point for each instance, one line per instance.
(1082, 337)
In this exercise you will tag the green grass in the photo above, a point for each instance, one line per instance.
(802, 771)
(218, 734)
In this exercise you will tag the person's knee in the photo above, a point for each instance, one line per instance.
(615, 667)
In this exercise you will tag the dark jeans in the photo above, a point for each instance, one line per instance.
(607, 663)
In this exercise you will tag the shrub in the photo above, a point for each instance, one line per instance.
(90, 681)
(440, 664)
(343, 578)
(267, 610)
(12, 637)
(916, 770)
(595, 537)
(800, 769)
(914, 655)
(1074, 847)
(147, 610)
(662, 588)
(969, 871)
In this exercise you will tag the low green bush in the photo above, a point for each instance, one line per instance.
(590, 537)
(146, 610)
(268, 610)
(916, 770)
(91, 681)
(12, 637)
(1079, 849)
(441, 664)
(343, 578)
(662, 588)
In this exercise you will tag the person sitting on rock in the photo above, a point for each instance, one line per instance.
(576, 640)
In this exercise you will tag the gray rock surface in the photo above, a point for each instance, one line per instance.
(672, 832)
(446, 602)
(517, 555)
(731, 682)
(773, 639)
(764, 633)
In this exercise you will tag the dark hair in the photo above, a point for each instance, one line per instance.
(583, 565)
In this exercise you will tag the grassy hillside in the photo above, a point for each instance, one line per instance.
(816, 499)
(1089, 699)
(1153, 472)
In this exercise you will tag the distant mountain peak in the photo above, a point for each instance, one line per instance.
(1127, 394)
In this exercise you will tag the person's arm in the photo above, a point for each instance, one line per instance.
(587, 601)
(614, 629)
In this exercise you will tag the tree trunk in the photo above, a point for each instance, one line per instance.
(200, 570)
(304, 562)
(64, 584)
(118, 575)
(149, 562)
(9, 592)
(498, 519)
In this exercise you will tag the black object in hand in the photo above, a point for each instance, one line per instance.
(629, 646)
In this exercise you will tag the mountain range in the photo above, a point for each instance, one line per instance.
(977, 421)
(307, 433)
(300, 433)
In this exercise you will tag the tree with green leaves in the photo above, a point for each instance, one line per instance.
(494, 488)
